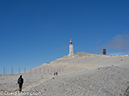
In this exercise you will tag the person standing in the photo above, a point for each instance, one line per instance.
(20, 82)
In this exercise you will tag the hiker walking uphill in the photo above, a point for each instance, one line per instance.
(20, 82)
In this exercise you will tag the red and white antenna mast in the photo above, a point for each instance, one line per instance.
(71, 48)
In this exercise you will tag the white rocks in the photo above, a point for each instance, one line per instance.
(85, 76)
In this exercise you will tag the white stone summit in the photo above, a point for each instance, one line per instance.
(84, 75)
(71, 47)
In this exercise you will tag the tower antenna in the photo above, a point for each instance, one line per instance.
(71, 47)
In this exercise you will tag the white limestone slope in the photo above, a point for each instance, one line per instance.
(88, 75)
(84, 74)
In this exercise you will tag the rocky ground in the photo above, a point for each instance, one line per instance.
(85, 75)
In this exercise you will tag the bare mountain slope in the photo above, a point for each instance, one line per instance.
(86, 60)
(88, 75)
(85, 75)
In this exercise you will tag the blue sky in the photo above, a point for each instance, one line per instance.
(33, 32)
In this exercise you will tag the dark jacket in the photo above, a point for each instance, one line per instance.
(20, 80)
